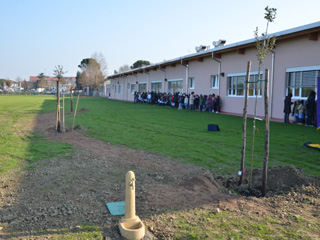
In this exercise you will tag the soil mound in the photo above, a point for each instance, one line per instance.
(83, 110)
(281, 179)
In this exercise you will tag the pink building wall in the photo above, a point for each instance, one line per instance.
(291, 52)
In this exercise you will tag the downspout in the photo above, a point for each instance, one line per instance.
(219, 71)
(126, 88)
(164, 78)
(271, 82)
(187, 75)
(123, 87)
(136, 90)
(148, 80)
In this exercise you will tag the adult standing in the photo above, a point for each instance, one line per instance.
(192, 101)
(287, 107)
(310, 108)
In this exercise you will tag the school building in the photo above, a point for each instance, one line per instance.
(294, 66)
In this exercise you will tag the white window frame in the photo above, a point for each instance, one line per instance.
(295, 77)
(142, 83)
(159, 88)
(119, 88)
(243, 75)
(214, 79)
(132, 87)
(192, 81)
(180, 80)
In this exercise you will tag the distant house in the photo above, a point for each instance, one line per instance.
(12, 86)
(66, 85)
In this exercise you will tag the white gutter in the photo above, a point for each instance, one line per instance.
(164, 78)
(148, 80)
(187, 75)
(219, 71)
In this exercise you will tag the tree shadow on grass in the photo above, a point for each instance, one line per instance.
(69, 178)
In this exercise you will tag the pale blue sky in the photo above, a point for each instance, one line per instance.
(37, 35)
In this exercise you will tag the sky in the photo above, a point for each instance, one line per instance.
(37, 35)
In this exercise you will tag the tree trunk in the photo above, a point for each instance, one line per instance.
(58, 108)
(244, 126)
(267, 134)
(71, 99)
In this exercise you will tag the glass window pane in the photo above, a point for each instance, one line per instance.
(306, 91)
(309, 79)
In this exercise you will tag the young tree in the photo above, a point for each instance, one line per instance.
(58, 72)
(264, 45)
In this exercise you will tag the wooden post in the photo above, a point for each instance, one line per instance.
(267, 134)
(75, 112)
(244, 126)
(58, 108)
(71, 99)
(63, 125)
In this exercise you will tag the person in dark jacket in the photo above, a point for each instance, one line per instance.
(287, 107)
(310, 109)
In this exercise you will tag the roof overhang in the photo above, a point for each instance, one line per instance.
(311, 30)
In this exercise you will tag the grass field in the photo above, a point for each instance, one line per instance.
(184, 136)
(180, 134)
(162, 130)
(19, 145)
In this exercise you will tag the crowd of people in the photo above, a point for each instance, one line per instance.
(304, 112)
(191, 101)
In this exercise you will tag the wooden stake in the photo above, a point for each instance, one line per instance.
(244, 126)
(267, 134)
(71, 99)
(75, 113)
(63, 125)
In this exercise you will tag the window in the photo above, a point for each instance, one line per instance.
(142, 87)
(175, 86)
(119, 88)
(236, 85)
(253, 86)
(191, 83)
(301, 83)
(133, 87)
(214, 81)
(156, 86)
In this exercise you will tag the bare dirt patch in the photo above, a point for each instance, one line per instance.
(72, 191)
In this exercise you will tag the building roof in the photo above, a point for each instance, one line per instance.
(311, 30)
(48, 78)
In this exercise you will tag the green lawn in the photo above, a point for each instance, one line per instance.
(184, 136)
(162, 130)
(166, 131)
(18, 145)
